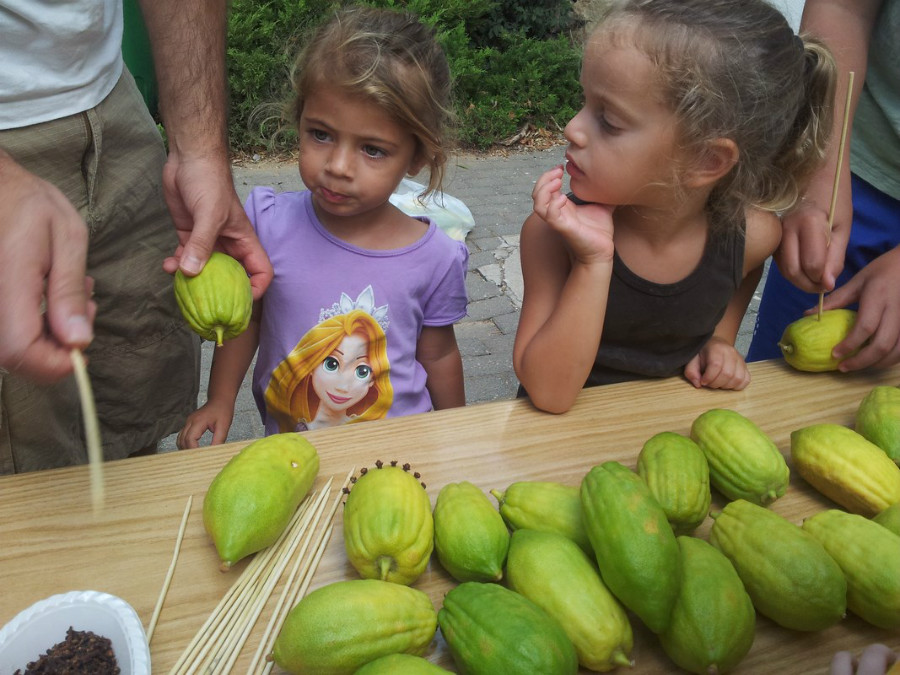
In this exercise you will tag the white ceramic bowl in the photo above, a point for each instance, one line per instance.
(36, 629)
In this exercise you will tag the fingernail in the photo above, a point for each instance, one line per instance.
(191, 265)
(78, 330)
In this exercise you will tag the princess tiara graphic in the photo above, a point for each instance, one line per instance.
(365, 302)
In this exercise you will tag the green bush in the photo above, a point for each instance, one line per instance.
(536, 19)
(262, 40)
(513, 64)
(522, 81)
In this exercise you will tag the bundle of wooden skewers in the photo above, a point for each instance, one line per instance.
(219, 642)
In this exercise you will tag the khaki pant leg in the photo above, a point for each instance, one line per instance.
(144, 361)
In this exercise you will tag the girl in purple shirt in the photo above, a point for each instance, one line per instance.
(358, 321)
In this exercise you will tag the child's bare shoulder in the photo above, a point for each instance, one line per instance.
(763, 234)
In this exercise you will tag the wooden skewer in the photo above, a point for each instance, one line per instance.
(837, 175)
(223, 608)
(168, 579)
(217, 644)
(213, 627)
(264, 644)
(91, 430)
(273, 621)
(290, 594)
(308, 574)
(307, 578)
(236, 642)
(210, 634)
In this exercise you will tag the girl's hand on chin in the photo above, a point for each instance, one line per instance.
(586, 228)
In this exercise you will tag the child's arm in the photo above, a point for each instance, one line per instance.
(439, 355)
(229, 366)
(719, 365)
(567, 259)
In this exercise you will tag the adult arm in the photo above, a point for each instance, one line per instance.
(846, 26)
(188, 41)
(44, 244)
(806, 257)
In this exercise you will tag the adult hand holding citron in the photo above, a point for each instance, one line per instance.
(217, 302)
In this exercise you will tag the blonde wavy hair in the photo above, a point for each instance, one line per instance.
(389, 57)
(735, 69)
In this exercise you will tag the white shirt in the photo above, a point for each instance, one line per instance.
(59, 57)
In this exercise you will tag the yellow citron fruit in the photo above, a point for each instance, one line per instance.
(806, 344)
(341, 626)
(217, 302)
(388, 524)
(846, 468)
(252, 499)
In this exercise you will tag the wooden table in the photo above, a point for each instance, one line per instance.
(51, 541)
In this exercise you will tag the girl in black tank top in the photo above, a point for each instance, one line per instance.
(701, 121)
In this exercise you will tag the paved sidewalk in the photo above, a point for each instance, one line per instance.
(498, 192)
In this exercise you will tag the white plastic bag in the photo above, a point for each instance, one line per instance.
(448, 212)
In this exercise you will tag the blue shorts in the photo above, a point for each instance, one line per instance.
(876, 230)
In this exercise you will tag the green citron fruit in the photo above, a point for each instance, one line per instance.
(546, 506)
(806, 344)
(470, 537)
(635, 547)
(890, 518)
(252, 499)
(554, 573)
(744, 463)
(217, 302)
(388, 525)
(340, 627)
(713, 622)
(677, 473)
(869, 556)
(878, 419)
(491, 629)
(401, 664)
(788, 574)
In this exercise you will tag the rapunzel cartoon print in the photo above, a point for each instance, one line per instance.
(338, 372)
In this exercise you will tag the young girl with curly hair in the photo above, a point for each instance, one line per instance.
(358, 321)
(702, 120)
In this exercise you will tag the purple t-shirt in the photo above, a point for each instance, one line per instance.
(340, 324)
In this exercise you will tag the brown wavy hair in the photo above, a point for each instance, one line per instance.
(735, 69)
(391, 58)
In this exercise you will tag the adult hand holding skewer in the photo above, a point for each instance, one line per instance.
(811, 255)
(863, 265)
(806, 255)
(46, 308)
(876, 288)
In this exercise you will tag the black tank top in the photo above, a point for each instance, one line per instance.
(653, 330)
